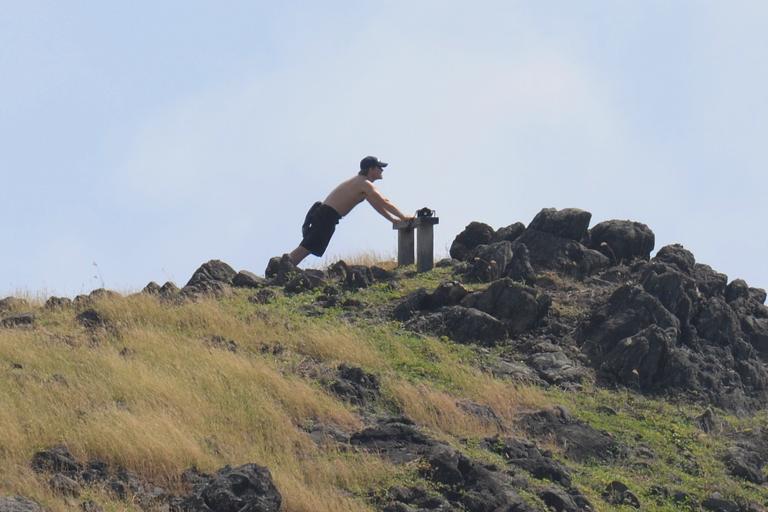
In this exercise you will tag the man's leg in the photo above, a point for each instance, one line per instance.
(298, 255)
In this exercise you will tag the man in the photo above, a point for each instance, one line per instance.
(321, 220)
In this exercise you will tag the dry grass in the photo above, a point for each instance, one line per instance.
(151, 393)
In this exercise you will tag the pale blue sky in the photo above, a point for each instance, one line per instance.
(149, 137)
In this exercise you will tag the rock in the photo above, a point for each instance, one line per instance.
(476, 233)
(64, 485)
(629, 310)
(580, 441)
(717, 322)
(416, 499)
(152, 288)
(246, 279)
(551, 252)
(91, 319)
(616, 493)
(56, 460)
(519, 372)
(446, 294)
(675, 290)
(382, 274)
(356, 385)
(639, 360)
(19, 320)
(91, 506)
(462, 324)
(485, 413)
(58, 303)
(280, 270)
(627, 239)
(709, 282)
(244, 488)
(103, 293)
(169, 291)
(13, 304)
(570, 223)
(263, 296)
(746, 463)
(557, 368)
(18, 504)
(520, 268)
(397, 439)
(716, 503)
(446, 262)
(526, 455)
(678, 256)
(756, 332)
(211, 278)
(708, 422)
(508, 233)
(473, 486)
(558, 500)
(489, 262)
(736, 289)
(358, 277)
(519, 306)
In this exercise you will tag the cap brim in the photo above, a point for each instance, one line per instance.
(383, 164)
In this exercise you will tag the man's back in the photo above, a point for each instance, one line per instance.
(348, 194)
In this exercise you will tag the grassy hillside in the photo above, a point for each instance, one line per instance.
(158, 387)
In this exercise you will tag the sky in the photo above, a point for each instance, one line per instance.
(141, 139)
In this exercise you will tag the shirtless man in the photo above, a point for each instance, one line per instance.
(322, 218)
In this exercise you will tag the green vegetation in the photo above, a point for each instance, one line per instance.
(154, 392)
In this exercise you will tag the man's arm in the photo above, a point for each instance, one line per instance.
(382, 205)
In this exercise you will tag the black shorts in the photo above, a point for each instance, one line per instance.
(318, 228)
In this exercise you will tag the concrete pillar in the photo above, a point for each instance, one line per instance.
(425, 244)
(405, 247)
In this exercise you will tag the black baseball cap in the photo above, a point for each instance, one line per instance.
(371, 161)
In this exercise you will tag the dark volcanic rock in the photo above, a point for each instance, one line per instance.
(580, 441)
(524, 454)
(12, 304)
(629, 310)
(716, 503)
(709, 282)
(570, 223)
(627, 239)
(356, 385)
(616, 493)
(489, 262)
(446, 294)
(58, 303)
(358, 276)
(247, 488)
(745, 463)
(245, 279)
(520, 268)
(519, 306)
(213, 277)
(394, 438)
(91, 319)
(476, 233)
(476, 487)
(552, 252)
(639, 360)
(56, 460)
(20, 320)
(416, 499)
(461, 324)
(280, 270)
(18, 504)
(508, 233)
(678, 256)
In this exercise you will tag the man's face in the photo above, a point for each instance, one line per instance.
(375, 173)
